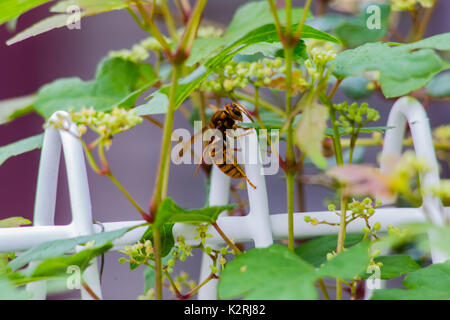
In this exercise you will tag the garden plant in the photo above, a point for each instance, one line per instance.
(275, 71)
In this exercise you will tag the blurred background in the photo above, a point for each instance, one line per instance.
(28, 65)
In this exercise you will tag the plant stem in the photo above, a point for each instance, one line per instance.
(107, 172)
(154, 121)
(166, 142)
(90, 158)
(261, 102)
(422, 27)
(194, 291)
(225, 238)
(174, 287)
(90, 291)
(288, 10)
(191, 29)
(290, 157)
(273, 9)
(300, 187)
(322, 7)
(127, 195)
(323, 288)
(340, 244)
(150, 26)
(169, 20)
(298, 32)
(353, 290)
(256, 104)
(339, 162)
(163, 173)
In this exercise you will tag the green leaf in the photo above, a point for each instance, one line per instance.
(52, 267)
(149, 278)
(57, 248)
(66, 17)
(114, 85)
(11, 109)
(14, 222)
(157, 105)
(394, 266)
(353, 31)
(310, 132)
(9, 292)
(265, 48)
(170, 212)
(11, 9)
(167, 240)
(267, 273)
(274, 50)
(21, 146)
(256, 14)
(247, 18)
(315, 250)
(47, 24)
(348, 263)
(90, 7)
(430, 283)
(266, 33)
(439, 86)
(403, 68)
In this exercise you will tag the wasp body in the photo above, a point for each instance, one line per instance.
(224, 120)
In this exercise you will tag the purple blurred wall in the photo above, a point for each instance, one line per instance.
(134, 156)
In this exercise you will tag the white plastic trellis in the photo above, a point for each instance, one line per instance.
(257, 226)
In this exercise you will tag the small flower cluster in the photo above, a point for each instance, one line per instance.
(442, 191)
(358, 209)
(442, 133)
(354, 115)
(182, 281)
(202, 233)
(365, 209)
(398, 232)
(219, 256)
(410, 5)
(149, 295)
(139, 253)
(139, 52)
(407, 168)
(180, 251)
(320, 54)
(240, 74)
(209, 32)
(105, 124)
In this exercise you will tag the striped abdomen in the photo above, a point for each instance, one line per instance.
(232, 170)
